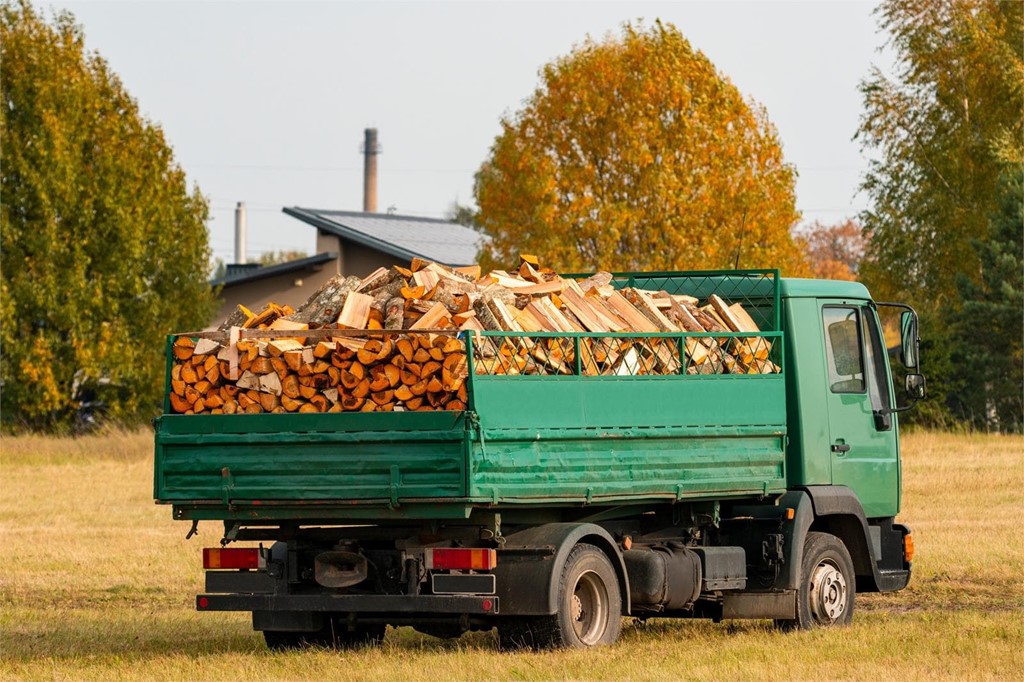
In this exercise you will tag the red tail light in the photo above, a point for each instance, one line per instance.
(461, 559)
(234, 557)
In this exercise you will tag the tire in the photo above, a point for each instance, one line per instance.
(517, 633)
(589, 608)
(828, 585)
(333, 634)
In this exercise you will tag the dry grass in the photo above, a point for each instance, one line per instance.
(99, 583)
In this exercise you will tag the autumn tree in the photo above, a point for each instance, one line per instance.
(104, 247)
(941, 131)
(833, 251)
(636, 153)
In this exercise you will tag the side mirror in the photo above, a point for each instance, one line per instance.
(909, 341)
(910, 352)
(915, 385)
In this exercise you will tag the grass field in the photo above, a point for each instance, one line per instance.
(98, 584)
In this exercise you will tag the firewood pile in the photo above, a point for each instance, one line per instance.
(394, 340)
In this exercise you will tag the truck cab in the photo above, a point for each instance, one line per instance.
(843, 429)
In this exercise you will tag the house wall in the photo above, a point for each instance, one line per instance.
(296, 287)
(360, 260)
(292, 288)
(330, 243)
(355, 259)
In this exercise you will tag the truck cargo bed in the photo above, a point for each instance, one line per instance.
(578, 440)
(523, 441)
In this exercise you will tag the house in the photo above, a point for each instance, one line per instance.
(347, 243)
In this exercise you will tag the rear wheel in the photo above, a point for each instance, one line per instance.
(827, 585)
(589, 608)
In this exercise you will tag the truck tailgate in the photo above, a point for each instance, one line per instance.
(343, 456)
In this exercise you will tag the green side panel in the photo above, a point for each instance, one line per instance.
(673, 464)
(574, 402)
(356, 456)
(601, 438)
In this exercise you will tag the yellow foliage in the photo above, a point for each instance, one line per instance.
(636, 154)
(37, 372)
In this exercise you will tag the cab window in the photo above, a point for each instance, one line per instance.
(843, 354)
(878, 380)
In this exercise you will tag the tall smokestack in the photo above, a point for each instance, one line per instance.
(240, 232)
(370, 151)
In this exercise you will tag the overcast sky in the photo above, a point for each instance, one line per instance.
(266, 102)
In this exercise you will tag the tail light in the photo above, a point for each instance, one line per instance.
(234, 557)
(908, 547)
(461, 559)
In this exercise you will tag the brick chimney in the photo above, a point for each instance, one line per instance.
(370, 151)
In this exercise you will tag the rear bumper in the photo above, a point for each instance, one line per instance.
(337, 603)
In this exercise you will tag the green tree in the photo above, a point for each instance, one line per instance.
(636, 153)
(941, 132)
(987, 331)
(104, 247)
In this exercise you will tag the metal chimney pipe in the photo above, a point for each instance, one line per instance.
(240, 232)
(370, 151)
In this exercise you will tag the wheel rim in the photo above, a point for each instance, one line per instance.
(829, 593)
(589, 608)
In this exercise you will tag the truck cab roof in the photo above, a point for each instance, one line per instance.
(794, 287)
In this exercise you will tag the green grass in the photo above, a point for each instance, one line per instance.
(99, 582)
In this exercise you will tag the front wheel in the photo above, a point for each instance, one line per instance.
(827, 585)
(589, 608)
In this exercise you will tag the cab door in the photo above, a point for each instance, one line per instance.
(863, 435)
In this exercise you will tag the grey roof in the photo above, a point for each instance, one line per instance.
(403, 237)
(274, 270)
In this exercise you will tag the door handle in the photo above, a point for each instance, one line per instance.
(840, 447)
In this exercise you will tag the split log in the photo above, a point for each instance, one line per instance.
(470, 271)
(238, 317)
(436, 318)
(762, 347)
(595, 281)
(355, 312)
(394, 313)
(746, 350)
(325, 305)
(383, 294)
(378, 278)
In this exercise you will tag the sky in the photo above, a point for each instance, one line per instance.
(266, 102)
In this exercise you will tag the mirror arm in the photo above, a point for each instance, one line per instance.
(893, 410)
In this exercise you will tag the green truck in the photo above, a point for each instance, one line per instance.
(556, 504)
